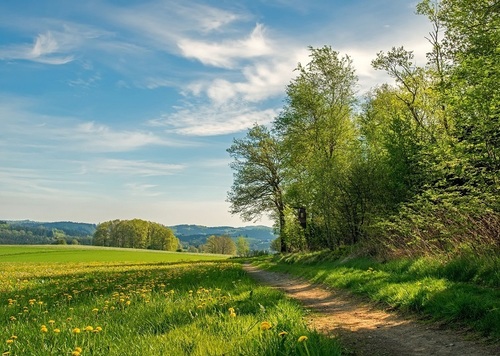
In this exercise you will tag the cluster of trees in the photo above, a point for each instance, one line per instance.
(225, 245)
(415, 163)
(135, 233)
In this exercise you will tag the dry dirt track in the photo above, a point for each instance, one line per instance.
(365, 330)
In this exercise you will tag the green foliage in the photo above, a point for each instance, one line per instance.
(135, 233)
(242, 247)
(223, 245)
(414, 170)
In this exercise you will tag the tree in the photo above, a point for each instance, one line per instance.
(319, 136)
(258, 177)
(242, 247)
(223, 245)
(135, 233)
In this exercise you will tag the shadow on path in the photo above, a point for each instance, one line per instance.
(366, 330)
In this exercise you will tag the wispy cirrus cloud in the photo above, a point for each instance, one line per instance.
(211, 120)
(45, 49)
(227, 53)
(138, 168)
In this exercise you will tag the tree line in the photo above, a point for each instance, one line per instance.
(412, 167)
(135, 233)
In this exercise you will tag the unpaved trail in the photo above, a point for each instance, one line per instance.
(366, 330)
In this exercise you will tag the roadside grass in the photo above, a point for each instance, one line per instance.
(114, 308)
(463, 291)
(80, 253)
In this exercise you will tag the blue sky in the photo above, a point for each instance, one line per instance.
(124, 109)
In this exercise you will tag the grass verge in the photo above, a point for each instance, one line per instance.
(463, 291)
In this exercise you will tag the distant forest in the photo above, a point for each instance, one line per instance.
(29, 232)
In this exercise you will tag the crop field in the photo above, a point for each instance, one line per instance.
(74, 305)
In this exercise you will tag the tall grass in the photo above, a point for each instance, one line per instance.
(462, 291)
(203, 308)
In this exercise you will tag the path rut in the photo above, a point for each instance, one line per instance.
(366, 330)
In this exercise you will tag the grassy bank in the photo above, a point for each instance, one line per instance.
(125, 308)
(462, 291)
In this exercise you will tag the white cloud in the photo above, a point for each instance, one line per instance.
(211, 120)
(142, 190)
(101, 138)
(140, 168)
(226, 53)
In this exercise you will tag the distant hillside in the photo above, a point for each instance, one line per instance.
(259, 237)
(68, 227)
(35, 232)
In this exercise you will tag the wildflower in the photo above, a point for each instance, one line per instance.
(10, 341)
(98, 328)
(128, 302)
(265, 325)
(283, 334)
(95, 310)
(89, 328)
(57, 331)
(76, 330)
(79, 349)
(302, 338)
(12, 318)
(44, 329)
(13, 337)
(51, 322)
(76, 353)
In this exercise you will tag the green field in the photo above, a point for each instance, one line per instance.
(99, 304)
(69, 253)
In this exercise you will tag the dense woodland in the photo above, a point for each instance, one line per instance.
(410, 168)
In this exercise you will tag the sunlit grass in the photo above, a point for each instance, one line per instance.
(462, 291)
(69, 253)
(113, 308)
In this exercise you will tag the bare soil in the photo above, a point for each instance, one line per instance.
(365, 329)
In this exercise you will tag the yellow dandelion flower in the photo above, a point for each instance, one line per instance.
(79, 349)
(283, 334)
(57, 331)
(98, 328)
(128, 302)
(265, 325)
(51, 322)
(12, 318)
(44, 329)
(13, 337)
(10, 341)
(95, 310)
(76, 330)
(232, 315)
(75, 353)
(89, 328)
(302, 338)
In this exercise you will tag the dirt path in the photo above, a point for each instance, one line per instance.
(366, 330)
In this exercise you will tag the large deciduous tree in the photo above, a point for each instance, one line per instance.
(318, 134)
(258, 176)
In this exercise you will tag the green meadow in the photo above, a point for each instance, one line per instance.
(92, 301)
(69, 253)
